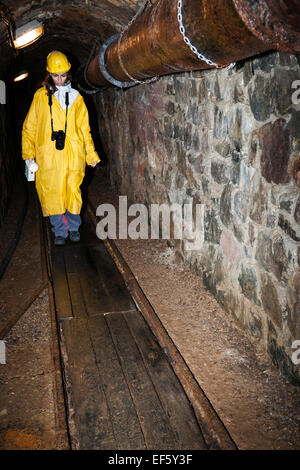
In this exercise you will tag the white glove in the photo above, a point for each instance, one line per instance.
(32, 165)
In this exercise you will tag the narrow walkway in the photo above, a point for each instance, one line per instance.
(122, 392)
(258, 407)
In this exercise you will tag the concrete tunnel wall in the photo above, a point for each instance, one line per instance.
(229, 140)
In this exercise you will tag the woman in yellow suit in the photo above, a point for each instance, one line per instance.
(56, 139)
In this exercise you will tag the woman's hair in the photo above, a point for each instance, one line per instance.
(50, 85)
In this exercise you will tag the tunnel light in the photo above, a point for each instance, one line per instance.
(21, 75)
(28, 33)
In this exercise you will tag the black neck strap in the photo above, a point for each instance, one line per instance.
(50, 105)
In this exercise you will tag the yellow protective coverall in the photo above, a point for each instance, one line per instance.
(60, 172)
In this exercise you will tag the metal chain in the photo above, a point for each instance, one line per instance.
(103, 69)
(96, 43)
(150, 80)
(193, 48)
(84, 68)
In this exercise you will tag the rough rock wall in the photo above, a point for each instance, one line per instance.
(6, 170)
(229, 140)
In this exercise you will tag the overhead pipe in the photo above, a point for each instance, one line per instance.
(183, 35)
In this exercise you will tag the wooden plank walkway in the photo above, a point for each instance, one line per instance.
(122, 392)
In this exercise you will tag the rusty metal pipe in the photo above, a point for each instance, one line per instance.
(224, 31)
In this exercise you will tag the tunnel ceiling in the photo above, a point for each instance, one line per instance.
(72, 27)
(75, 26)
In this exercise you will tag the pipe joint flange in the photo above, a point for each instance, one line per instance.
(94, 88)
(103, 68)
(82, 69)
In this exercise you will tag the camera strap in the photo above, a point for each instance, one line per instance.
(50, 105)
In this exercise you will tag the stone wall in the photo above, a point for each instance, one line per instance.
(6, 170)
(229, 140)
(13, 109)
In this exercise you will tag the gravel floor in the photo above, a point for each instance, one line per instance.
(28, 410)
(29, 417)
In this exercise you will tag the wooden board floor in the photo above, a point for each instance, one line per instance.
(122, 391)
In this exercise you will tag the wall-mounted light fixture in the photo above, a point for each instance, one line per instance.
(20, 75)
(28, 33)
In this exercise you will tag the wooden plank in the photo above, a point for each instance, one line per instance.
(71, 254)
(93, 297)
(100, 294)
(118, 297)
(88, 234)
(154, 421)
(77, 300)
(90, 411)
(215, 434)
(61, 289)
(168, 387)
(61, 419)
(106, 265)
(127, 429)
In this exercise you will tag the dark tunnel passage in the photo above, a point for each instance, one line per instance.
(174, 322)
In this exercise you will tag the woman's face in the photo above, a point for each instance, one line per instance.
(59, 78)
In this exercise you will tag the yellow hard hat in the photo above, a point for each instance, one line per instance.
(57, 62)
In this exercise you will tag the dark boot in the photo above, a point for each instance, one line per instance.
(75, 236)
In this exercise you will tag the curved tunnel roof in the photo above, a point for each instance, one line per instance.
(73, 27)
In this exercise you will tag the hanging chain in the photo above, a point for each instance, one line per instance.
(153, 79)
(93, 50)
(94, 88)
(150, 80)
(193, 48)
